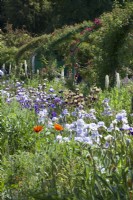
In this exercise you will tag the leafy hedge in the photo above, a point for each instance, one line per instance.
(46, 42)
(10, 42)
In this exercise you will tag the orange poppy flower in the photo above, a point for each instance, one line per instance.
(38, 128)
(58, 127)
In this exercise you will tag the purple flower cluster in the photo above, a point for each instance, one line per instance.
(34, 98)
(83, 126)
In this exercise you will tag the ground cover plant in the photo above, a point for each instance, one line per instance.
(56, 148)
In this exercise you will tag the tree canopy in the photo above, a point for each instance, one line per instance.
(43, 16)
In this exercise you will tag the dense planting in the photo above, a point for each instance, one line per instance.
(66, 106)
(55, 149)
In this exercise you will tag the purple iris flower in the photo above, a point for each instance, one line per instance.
(107, 145)
(121, 116)
(52, 105)
(121, 129)
(36, 108)
(57, 100)
(65, 112)
(131, 131)
(54, 114)
(8, 100)
(74, 113)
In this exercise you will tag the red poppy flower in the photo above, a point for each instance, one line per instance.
(38, 128)
(58, 127)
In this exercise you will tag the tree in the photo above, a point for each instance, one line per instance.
(43, 16)
(69, 11)
(30, 14)
(1, 14)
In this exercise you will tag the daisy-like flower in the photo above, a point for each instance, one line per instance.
(38, 128)
(58, 127)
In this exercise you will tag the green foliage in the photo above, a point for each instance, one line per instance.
(10, 42)
(31, 15)
(46, 15)
(111, 40)
(54, 47)
(7, 54)
(13, 137)
(17, 37)
(97, 49)
(127, 51)
(36, 166)
(66, 171)
(29, 49)
(94, 50)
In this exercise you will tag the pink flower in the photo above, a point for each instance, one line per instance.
(89, 29)
(97, 21)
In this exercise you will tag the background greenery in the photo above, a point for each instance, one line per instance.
(44, 16)
(93, 49)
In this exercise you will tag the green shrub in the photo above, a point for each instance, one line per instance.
(111, 40)
(10, 42)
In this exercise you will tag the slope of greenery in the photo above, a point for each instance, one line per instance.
(93, 48)
(96, 47)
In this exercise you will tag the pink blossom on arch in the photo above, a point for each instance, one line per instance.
(89, 29)
(97, 21)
